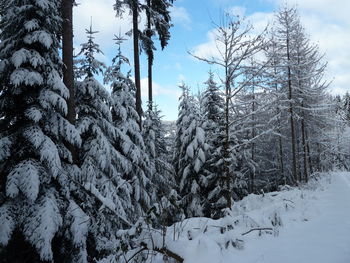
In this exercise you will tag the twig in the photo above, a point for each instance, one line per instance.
(255, 229)
(138, 252)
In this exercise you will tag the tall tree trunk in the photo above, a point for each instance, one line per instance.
(292, 127)
(306, 176)
(253, 143)
(226, 153)
(67, 57)
(137, 59)
(308, 152)
(280, 145)
(150, 57)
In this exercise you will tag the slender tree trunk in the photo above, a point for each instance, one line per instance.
(67, 57)
(226, 153)
(306, 176)
(253, 143)
(299, 146)
(150, 88)
(137, 59)
(292, 127)
(308, 152)
(280, 145)
(150, 57)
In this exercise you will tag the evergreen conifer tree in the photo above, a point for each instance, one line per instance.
(99, 174)
(34, 161)
(212, 109)
(134, 162)
(163, 172)
(189, 155)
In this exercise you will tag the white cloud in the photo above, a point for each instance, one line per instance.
(179, 15)
(207, 49)
(157, 90)
(104, 20)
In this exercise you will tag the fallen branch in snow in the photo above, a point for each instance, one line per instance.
(256, 229)
(164, 251)
(138, 252)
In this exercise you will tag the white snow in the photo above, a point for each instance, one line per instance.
(41, 225)
(7, 223)
(323, 238)
(309, 224)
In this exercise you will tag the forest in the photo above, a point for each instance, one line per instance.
(91, 173)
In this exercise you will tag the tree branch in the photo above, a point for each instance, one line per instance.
(255, 229)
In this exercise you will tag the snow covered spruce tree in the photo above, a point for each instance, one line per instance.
(212, 104)
(97, 156)
(133, 164)
(189, 155)
(163, 174)
(35, 181)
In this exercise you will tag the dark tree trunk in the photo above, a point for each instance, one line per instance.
(292, 126)
(226, 151)
(308, 152)
(279, 130)
(137, 59)
(252, 176)
(150, 57)
(306, 176)
(67, 57)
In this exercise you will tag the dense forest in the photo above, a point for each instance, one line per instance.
(88, 174)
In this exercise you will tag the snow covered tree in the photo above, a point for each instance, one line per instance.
(134, 8)
(212, 104)
(97, 156)
(163, 175)
(287, 25)
(303, 81)
(189, 155)
(133, 160)
(235, 45)
(35, 176)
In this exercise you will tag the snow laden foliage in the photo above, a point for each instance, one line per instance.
(34, 180)
(189, 155)
(212, 108)
(99, 175)
(163, 175)
(339, 145)
(297, 76)
(130, 152)
(41, 223)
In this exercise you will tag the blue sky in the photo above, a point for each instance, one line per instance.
(327, 22)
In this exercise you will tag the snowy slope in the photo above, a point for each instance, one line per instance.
(310, 224)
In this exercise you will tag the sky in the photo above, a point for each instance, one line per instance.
(326, 21)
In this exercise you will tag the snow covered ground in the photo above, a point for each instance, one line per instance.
(309, 225)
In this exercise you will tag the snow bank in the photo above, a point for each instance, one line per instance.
(294, 224)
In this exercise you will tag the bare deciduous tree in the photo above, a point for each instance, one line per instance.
(235, 44)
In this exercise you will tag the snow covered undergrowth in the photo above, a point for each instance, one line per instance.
(304, 225)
